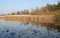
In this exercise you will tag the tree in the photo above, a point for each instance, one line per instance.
(18, 13)
(25, 12)
(12, 13)
(58, 5)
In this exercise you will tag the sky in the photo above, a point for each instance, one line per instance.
(8, 6)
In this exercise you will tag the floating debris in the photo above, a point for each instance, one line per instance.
(7, 30)
(12, 34)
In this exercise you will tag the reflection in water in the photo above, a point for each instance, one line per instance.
(11, 29)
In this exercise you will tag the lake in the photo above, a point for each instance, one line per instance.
(16, 29)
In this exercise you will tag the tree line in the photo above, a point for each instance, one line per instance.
(48, 9)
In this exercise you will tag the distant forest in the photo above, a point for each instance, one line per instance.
(47, 10)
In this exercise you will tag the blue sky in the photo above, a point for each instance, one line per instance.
(8, 6)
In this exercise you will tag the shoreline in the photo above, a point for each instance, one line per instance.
(39, 19)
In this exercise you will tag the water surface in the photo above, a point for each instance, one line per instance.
(15, 29)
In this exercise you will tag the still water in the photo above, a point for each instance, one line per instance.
(15, 29)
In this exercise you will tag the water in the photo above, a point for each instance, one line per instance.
(15, 29)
